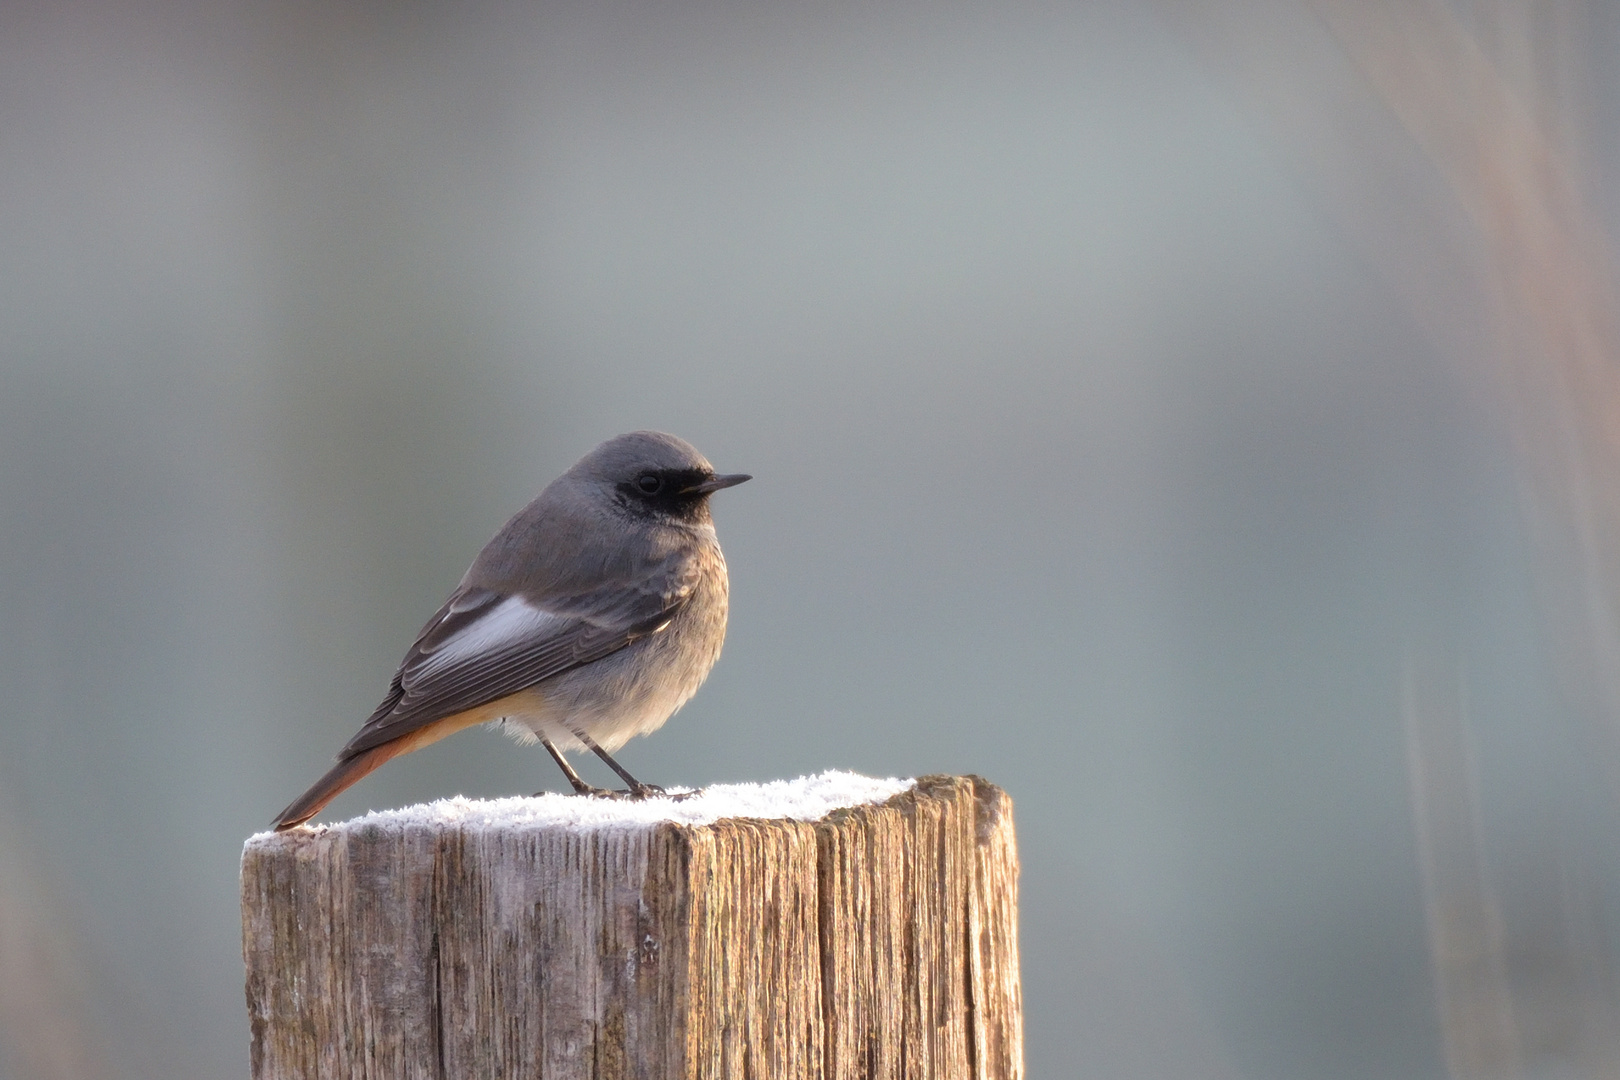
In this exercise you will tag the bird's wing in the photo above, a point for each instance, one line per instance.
(483, 645)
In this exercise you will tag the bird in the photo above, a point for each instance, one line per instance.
(591, 617)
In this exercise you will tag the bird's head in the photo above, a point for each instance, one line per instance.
(654, 475)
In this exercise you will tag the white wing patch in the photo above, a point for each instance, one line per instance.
(508, 623)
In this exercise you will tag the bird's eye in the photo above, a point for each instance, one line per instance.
(650, 484)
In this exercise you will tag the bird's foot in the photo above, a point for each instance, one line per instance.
(640, 791)
(592, 792)
(648, 791)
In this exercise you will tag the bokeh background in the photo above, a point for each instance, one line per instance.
(1197, 416)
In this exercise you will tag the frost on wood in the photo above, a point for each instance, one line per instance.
(846, 928)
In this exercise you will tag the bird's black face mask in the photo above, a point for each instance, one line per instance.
(681, 494)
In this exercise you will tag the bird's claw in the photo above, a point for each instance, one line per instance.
(640, 791)
(650, 790)
(591, 792)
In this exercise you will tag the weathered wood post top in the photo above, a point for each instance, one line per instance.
(835, 926)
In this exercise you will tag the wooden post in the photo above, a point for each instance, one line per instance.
(872, 934)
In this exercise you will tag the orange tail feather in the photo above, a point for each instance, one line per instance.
(338, 778)
(349, 770)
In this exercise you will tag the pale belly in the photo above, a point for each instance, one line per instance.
(629, 693)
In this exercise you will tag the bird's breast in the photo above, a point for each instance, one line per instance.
(634, 690)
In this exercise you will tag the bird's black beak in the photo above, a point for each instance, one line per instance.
(715, 483)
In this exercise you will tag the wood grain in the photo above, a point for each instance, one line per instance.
(878, 942)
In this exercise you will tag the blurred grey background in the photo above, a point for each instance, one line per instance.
(1195, 416)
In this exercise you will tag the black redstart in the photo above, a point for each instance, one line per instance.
(589, 619)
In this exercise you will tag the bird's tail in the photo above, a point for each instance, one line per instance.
(351, 768)
(339, 777)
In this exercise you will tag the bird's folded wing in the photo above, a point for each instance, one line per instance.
(483, 645)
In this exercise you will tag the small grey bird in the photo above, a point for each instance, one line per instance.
(589, 619)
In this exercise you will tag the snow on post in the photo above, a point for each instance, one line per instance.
(834, 927)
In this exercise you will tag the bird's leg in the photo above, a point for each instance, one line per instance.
(638, 790)
(580, 786)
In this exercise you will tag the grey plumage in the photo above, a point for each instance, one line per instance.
(591, 617)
